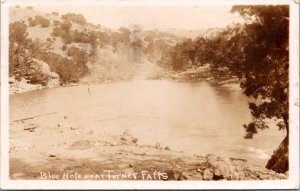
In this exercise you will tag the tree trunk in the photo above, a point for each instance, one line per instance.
(279, 161)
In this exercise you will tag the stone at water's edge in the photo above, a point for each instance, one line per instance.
(208, 174)
(41, 73)
(40, 76)
(279, 161)
(219, 168)
(222, 167)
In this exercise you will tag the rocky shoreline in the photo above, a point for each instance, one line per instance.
(59, 151)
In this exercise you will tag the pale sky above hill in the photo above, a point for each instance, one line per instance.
(153, 17)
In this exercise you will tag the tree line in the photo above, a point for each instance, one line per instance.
(256, 52)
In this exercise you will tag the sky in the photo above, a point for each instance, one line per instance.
(153, 17)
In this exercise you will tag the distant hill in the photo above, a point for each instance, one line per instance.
(194, 33)
(74, 48)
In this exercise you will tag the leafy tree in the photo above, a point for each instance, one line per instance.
(77, 18)
(182, 55)
(55, 13)
(263, 67)
(224, 52)
(39, 20)
(56, 23)
(120, 38)
(32, 22)
(103, 37)
(19, 55)
(257, 52)
(57, 31)
(45, 23)
(79, 37)
(65, 32)
(67, 70)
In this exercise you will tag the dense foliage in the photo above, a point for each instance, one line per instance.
(39, 20)
(19, 55)
(77, 18)
(265, 62)
(257, 52)
(22, 51)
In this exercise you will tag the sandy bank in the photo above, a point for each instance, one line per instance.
(43, 149)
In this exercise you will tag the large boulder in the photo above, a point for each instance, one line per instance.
(217, 168)
(40, 73)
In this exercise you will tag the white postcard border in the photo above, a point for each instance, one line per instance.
(292, 182)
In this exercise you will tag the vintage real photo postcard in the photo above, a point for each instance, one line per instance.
(196, 94)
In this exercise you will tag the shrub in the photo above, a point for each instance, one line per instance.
(66, 26)
(39, 20)
(57, 31)
(45, 23)
(79, 55)
(55, 13)
(33, 22)
(63, 31)
(80, 37)
(77, 18)
(64, 47)
(56, 23)
(68, 71)
(17, 33)
(42, 21)
(19, 54)
(104, 38)
(66, 35)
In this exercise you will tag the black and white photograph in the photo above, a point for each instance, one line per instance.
(161, 93)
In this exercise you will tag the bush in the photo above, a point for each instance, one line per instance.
(72, 51)
(77, 18)
(79, 55)
(55, 13)
(19, 54)
(64, 31)
(64, 47)
(57, 31)
(66, 35)
(68, 71)
(104, 38)
(56, 23)
(45, 23)
(80, 37)
(33, 22)
(66, 26)
(42, 21)
(39, 20)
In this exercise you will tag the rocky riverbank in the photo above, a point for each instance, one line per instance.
(43, 149)
(39, 77)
